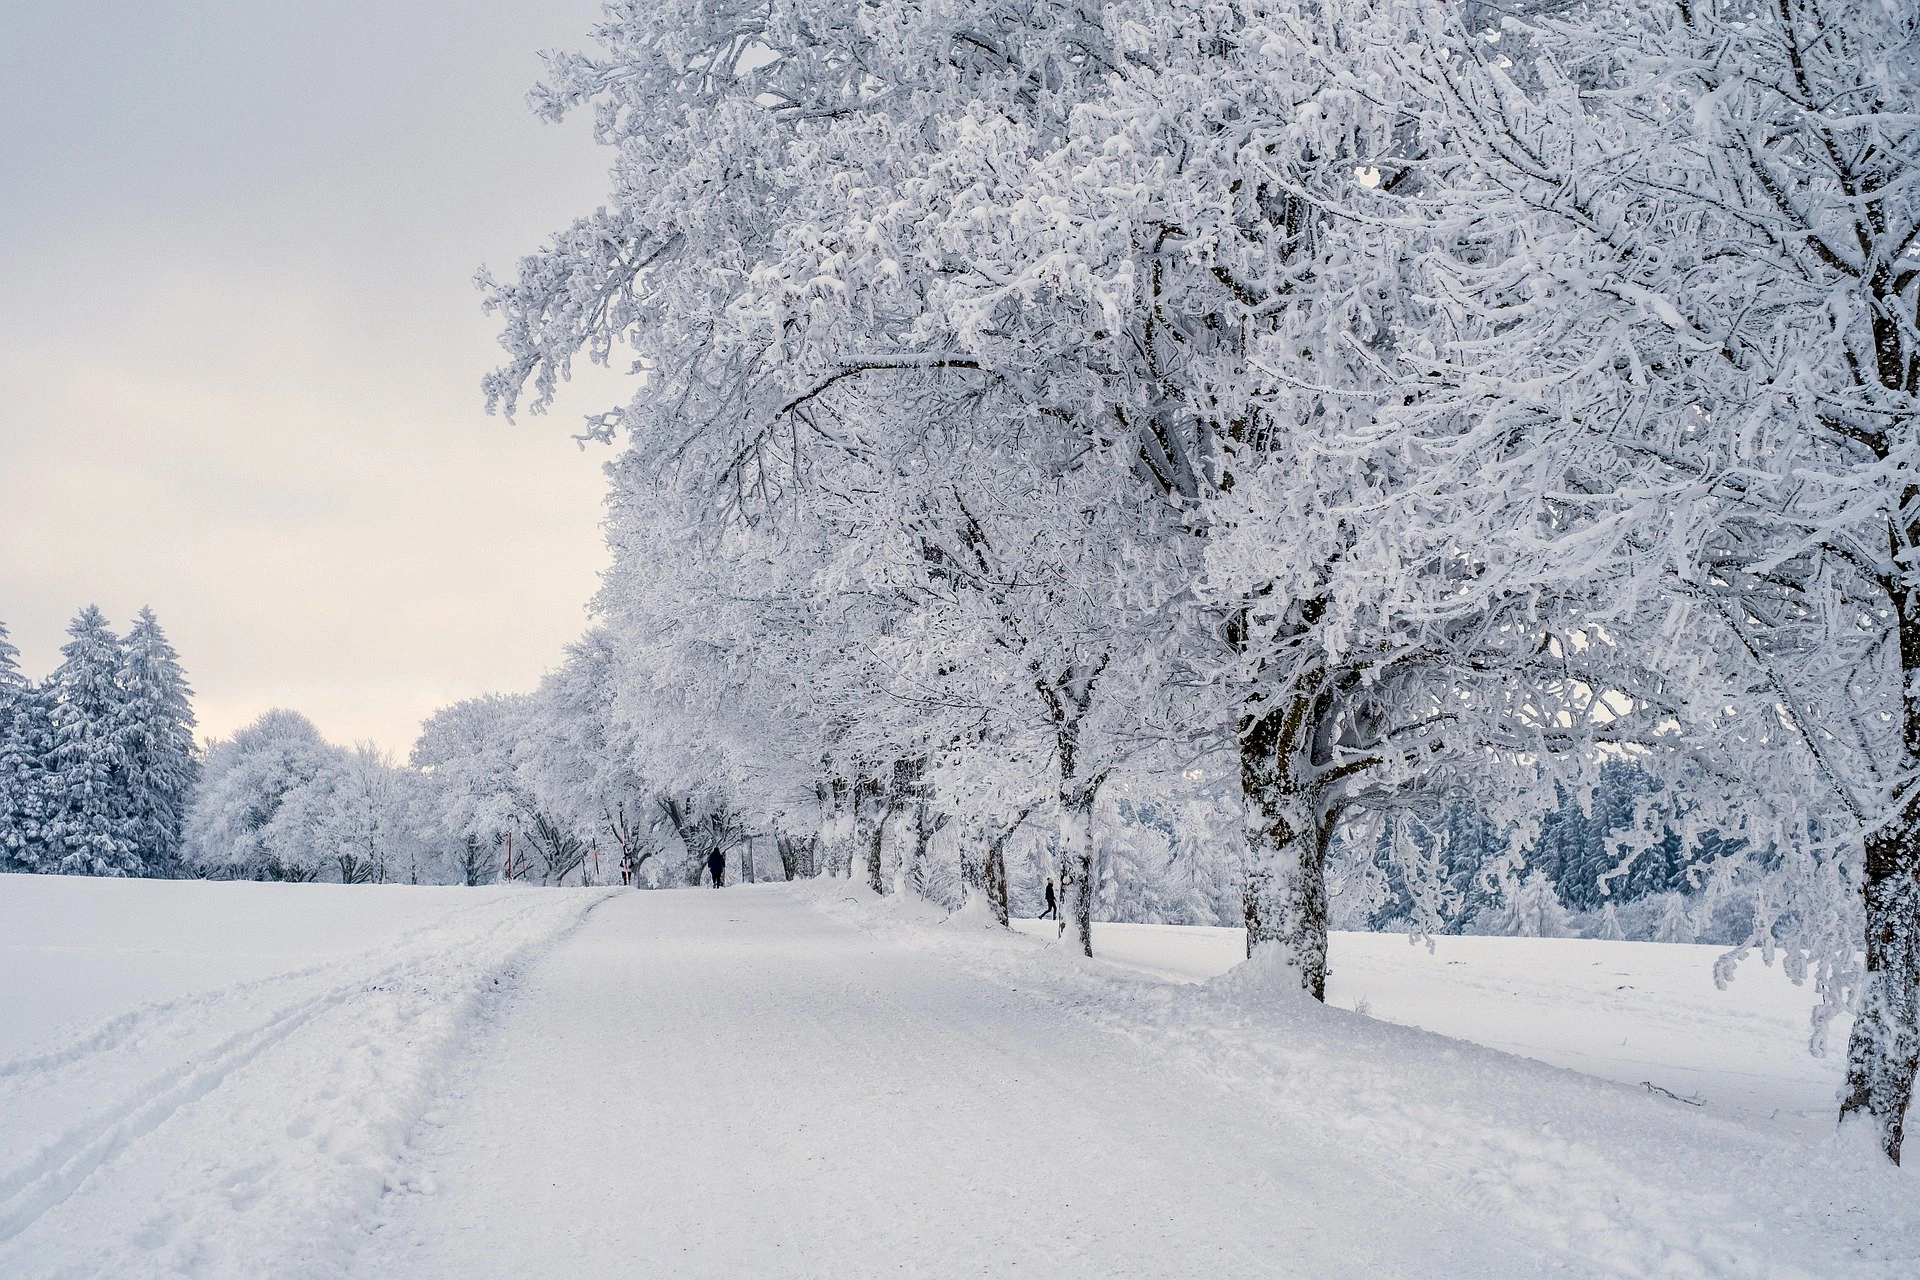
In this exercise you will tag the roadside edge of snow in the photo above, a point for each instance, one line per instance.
(1598, 1172)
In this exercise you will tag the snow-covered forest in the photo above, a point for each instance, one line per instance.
(1232, 637)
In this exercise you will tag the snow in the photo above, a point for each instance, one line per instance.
(78, 949)
(245, 1117)
(807, 1080)
(724, 1084)
(1635, 1012)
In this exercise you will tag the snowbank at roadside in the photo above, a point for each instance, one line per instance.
(244, 1129)
(1617, 1181)
(1624, 1011)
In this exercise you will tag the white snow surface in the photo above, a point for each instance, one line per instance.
(244, 1124)
(808, 1081)
(1641, 1013)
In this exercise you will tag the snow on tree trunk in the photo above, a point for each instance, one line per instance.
(1286, 894)
(994, 875)
(1286, 883)
(833, 845)
(986, 873)
(869, 827)
(1076, 865)
(1884, 1047)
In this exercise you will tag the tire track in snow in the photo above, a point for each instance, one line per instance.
(41, 1184)
(114, 1032)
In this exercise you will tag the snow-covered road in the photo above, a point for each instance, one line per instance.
(731, 1084)
(795, 1080)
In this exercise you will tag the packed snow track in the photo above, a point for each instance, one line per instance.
(728, 1084)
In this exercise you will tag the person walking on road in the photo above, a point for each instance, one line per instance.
(626, 867)
(717, 868)
(1053, 904)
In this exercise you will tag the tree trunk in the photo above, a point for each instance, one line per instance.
(994, 873)
(835, 840)
(1286, 890)
(1076, 865)
(1884, 1048)
(875, 842)
(870, 827)
(791, 850)
(924, 825)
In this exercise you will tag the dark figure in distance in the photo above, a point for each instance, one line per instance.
(626, 868)
(1053, 905)
(717, 868)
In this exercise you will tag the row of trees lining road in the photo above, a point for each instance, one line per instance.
(97, 762)
(1372, 407)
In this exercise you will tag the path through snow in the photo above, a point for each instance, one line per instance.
(729, 1084)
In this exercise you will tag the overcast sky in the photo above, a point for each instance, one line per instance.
(240, 349)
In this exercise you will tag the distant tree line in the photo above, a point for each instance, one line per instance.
(97, 762)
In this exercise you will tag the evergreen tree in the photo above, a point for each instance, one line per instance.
(10, 677)
(1675, 924)
(87, 830)
(21, 748)
(1610, 929)
(157, 740)
(1536, 911)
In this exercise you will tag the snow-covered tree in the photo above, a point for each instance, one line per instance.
(1409, 403)
(88, 827)
(244, 782)
(1697, 224)
(1610, 929)
(1535, 910)
(467, 749)
(23, 748)
(157, 727)
(360, 817)
(278, 801)
(1676, 925)
(582, 761)
(482, 794)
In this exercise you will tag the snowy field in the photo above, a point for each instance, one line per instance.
(228, 1080)
(1636, 1012)
(214, 1079)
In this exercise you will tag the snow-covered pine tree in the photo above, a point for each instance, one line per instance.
(10, 678)
(1536, 911)
(157, 738)
(1675, 924)
(87, 830)
(22, 748)
(1610, 930)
